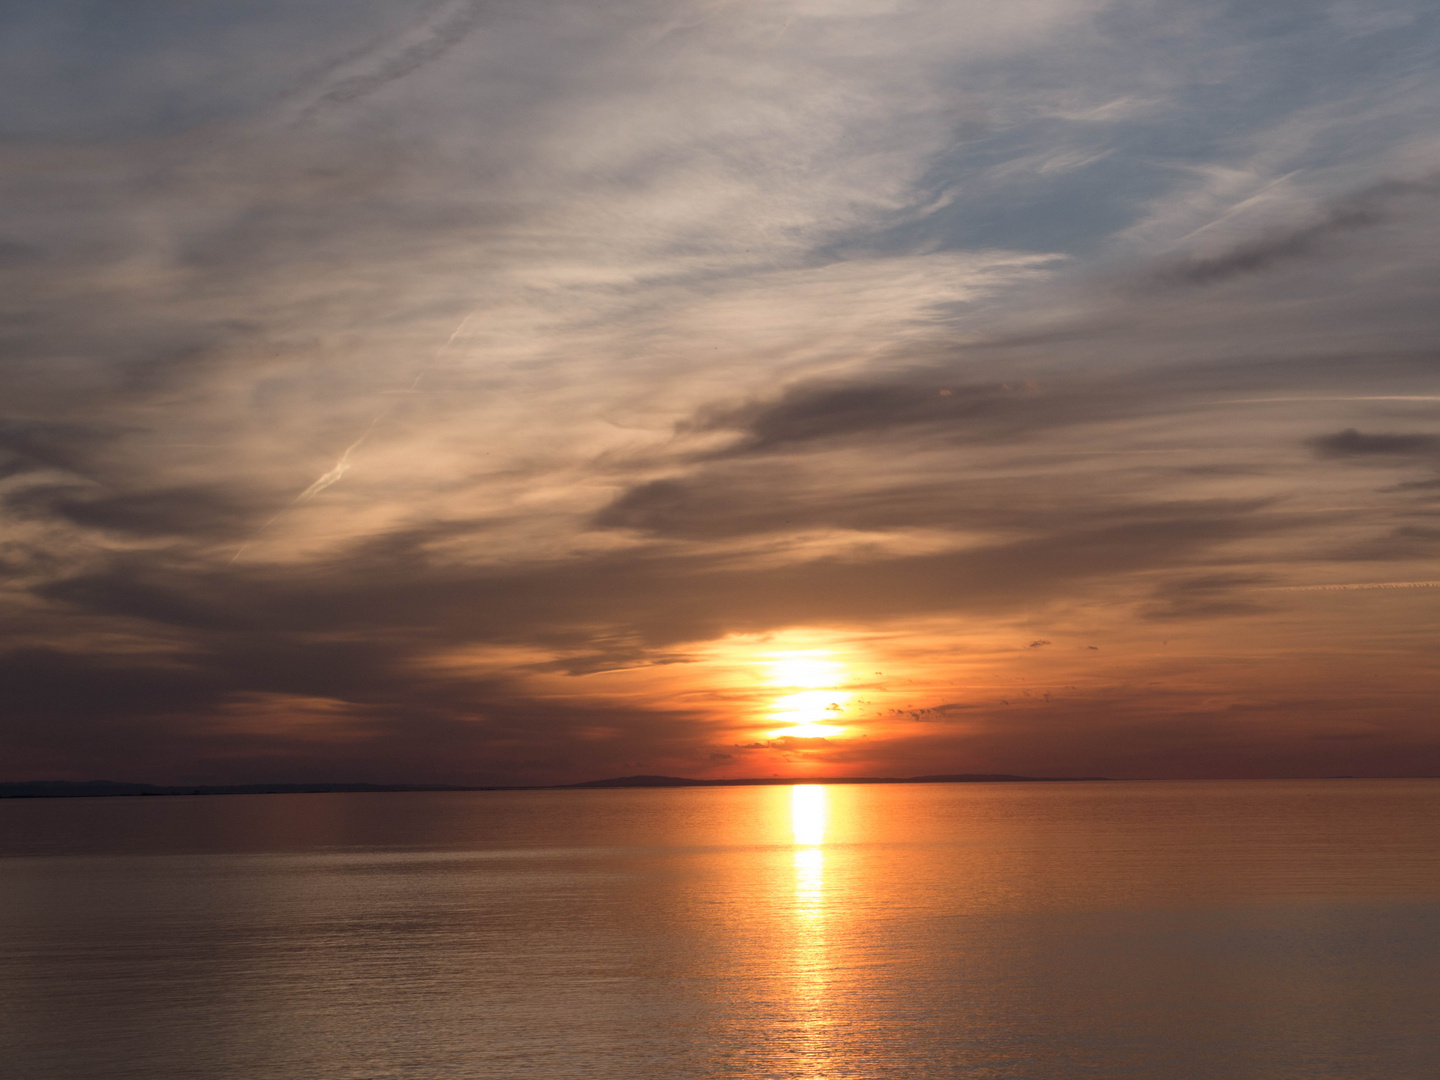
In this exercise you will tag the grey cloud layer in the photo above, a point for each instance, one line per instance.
(656, 324)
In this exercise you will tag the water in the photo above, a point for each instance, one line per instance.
(1208, 930)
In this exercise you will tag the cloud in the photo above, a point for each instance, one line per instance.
(1354, 444)
(1207, 596)
(1277, 245)
(808, 413)
(69, 447)
(357, 76)
(1405, 542)
(170, 513)
(665, 337)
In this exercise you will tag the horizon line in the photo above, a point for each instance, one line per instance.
(21, 789)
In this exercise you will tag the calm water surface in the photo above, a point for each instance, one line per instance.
(1211, 930)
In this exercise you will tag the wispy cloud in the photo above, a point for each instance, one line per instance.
(646, 337)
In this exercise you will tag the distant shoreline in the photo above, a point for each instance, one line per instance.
(91, 789)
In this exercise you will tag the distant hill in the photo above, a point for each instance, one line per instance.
(60, 789)
(641, 781)
(952, 778)
(53, 789)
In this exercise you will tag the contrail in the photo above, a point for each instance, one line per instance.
(240, 550)
(1374, 397)
(440, 351)
(456, 333)
(342, 466)
(1359, 585)
(367, 70)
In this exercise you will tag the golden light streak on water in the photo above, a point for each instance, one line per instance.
(1195, 930)
(807, 814)
(811, 965)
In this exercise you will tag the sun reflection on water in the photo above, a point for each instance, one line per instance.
(807, 814)
(810, 978)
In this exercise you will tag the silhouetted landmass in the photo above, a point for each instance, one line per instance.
(952, 778)
(50, 789)
(640, 781)
(59, 789)
(992, 778)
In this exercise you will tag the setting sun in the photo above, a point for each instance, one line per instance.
(805, 669)
(814, 702)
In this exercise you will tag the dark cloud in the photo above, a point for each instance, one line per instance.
(174, 513)
(660, 596)
(933, 406)
(72, 447)
(1415, 485)
(17, 253)
(816, 412)
(794, 744)
(769, 498)
(1364, 209)
(392, 62)
(49, 686)
(294, 708)
(620, 657)
(1354, 444)
(925, 401)
(1405, 543)
(1207, 596)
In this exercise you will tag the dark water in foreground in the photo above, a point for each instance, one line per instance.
(1214, 930)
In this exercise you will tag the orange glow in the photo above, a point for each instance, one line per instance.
(805, 731)
(810, 669)
(789, 703)
(810, 946)
(807, 814)
(813, 677)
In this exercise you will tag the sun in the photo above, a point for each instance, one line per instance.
(810, 669)
(813, 702)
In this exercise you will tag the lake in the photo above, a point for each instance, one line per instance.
(1208, 930)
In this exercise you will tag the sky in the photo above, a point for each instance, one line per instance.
(446, 391)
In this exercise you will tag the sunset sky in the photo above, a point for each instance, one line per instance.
(536, 391)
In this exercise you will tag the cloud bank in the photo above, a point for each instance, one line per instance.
(499, 393)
